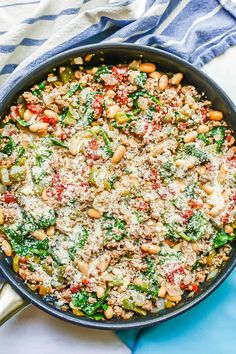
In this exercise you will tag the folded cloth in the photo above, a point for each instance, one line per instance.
(33, 31)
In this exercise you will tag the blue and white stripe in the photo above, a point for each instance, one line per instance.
(32, 31)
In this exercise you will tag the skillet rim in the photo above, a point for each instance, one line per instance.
(138, 322)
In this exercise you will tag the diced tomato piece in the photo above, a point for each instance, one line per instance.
(110, 87)
(233, 197)
(56, 180)
(97, 105)
(50, 120)
(209, 166)
(183, 126)
(163, 195)
(164, 111)
(85, 281)
(186, 215)
(171, 276)
(171, 191)
(156, 185)
(156, 127)
(93, 144)
(92, 156)
(75, 288)
(180, 270)
(142, 205)
(121, 97)
(35, 108)
(170, 243)
(23, 276)
(232, 162)
(62, 136)
(68, 298)
(225, 218)
(59, 188)
(183, 286)
(203, 111)
(152, 175)
(16, 109)
(85, 185)
(193, 204)
(120, 73)
(23, 259)
(195, 287)
(9, 198)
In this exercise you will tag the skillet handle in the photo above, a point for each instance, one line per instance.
(10, 303)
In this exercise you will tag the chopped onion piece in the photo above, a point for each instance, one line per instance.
(160, 304)
(212, 274)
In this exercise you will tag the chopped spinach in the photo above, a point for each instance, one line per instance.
(138, 94)
(218, 133)
(112, 181)
(57, 142)
(204, 137)
(40, 158)
(150, 111)
(9, 146)
(23, 123)
(28, 245)
(116, 228)
(81, 298)
(45, 221)
(72, 90)
(196, 265)
(88, 113)
(196, 227)
(103, 69)
(64, 114)
(141, 79)
(20, 153)
(81, 238)
(144, 288)
(222, 238)
(192, 150)
(151, 274)
(189, 191)
(39, 171)
(107, 141)
(167, 170)
(20, 238)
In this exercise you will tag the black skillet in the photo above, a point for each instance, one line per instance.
(10, 301)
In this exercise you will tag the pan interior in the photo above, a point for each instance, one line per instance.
(114, 54)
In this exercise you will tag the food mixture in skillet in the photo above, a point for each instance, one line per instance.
(117, 189)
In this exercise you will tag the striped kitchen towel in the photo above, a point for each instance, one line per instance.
(32, 31)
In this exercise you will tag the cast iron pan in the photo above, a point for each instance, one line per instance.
(114, 54)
